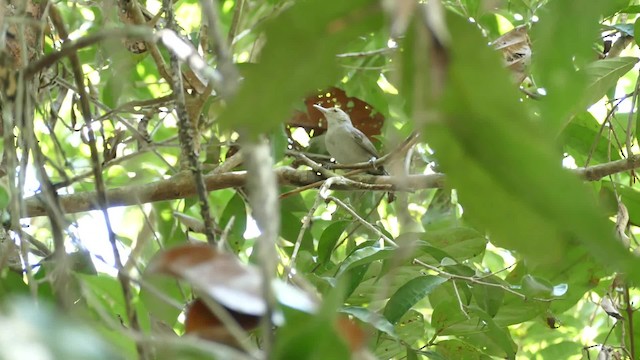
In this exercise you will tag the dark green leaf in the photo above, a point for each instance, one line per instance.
(329, 239)
(409, 294)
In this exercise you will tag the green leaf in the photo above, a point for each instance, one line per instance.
(562, 350)
(489, 298)
(364, 256)
(106, 292)
(448, 319)
(4, 196)
(633, 9)
(299, 57)
(354, 277)
(636, 31)
(374, 319)
(461, 243)
(309, 337)
(312, 336)
(237, 211)
(499, 335)
(157, 304)
(409, 294)
(411, 354)
(12, 284)
(329, 239)
(579, 138)
(455, 348)
(630, 197)
(536, 287)
(41, 332)
(601, 76)
(559, 48)
(410, 329)
(505, 168)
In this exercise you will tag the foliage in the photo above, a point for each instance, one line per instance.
(511, 256)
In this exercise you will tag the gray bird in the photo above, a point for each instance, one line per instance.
(344, 142)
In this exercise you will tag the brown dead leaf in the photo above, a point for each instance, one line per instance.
(201, 322)
(223, 278)
(362, 114)
(351, 333)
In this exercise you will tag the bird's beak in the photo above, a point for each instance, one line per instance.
(320, 108)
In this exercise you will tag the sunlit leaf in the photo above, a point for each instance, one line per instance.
(602, 75)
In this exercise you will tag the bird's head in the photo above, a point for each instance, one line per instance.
(334, 115)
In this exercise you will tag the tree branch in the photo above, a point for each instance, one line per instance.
(181, 186)
(597, 172)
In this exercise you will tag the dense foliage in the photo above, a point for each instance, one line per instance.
(162, 161)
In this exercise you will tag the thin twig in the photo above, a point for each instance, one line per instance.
(474, 280)
(306, 222)
(361, 220)
(607, 120)
(235, 23)
(455, 290)
(630, 122)
(186, 132)
(71, 47)
(101, 196)
(368, 53)
(629, 310)
(230, 74)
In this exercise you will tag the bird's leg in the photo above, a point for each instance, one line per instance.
(329, 165)
(372, 161)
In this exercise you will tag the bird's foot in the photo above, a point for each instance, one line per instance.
(374, 166)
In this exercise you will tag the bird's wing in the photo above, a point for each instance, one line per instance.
(364, 142)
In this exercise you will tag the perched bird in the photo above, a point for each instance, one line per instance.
(347, 144)
(344, 142)
(608, 307)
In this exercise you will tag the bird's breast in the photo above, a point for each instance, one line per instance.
(343, 147)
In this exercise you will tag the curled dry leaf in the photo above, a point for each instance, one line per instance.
(362, 114)
(352, 334)
(201, 322)
(516, 51)
(223, 278)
